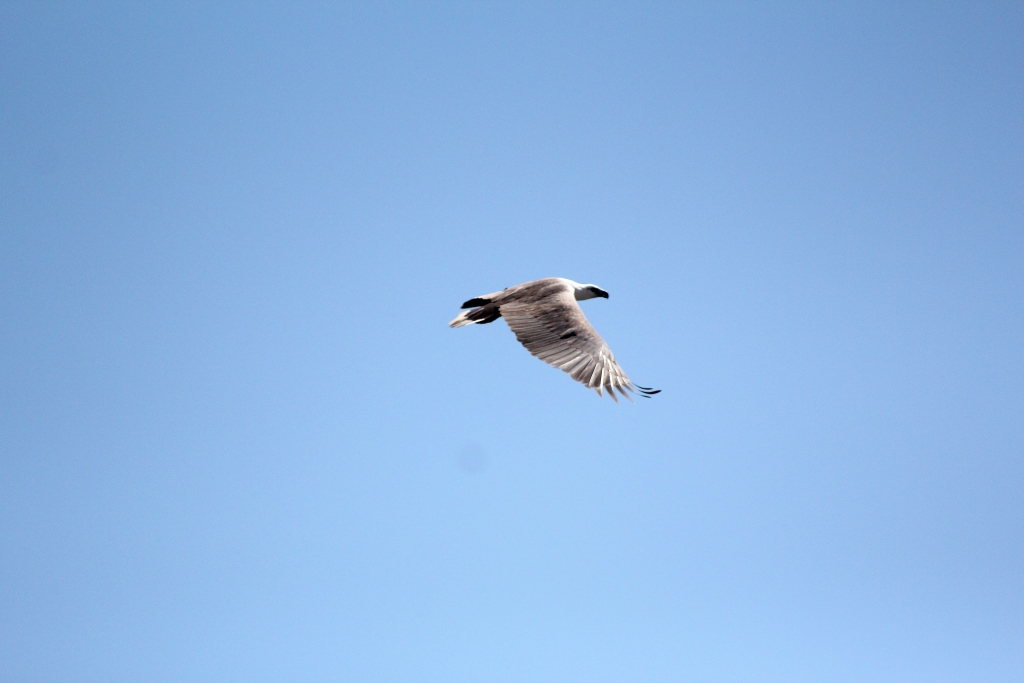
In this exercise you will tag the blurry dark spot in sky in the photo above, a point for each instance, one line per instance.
(47, 161)
(472, 459)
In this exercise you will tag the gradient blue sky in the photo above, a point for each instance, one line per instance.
(238, 441)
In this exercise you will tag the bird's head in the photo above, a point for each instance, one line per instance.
(584, 292)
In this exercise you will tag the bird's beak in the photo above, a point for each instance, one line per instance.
(602, 293)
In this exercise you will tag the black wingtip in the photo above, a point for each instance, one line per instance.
(473, 303)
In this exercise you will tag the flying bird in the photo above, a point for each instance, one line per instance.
(546, 319)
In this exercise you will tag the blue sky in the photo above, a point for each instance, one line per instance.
(238, 441)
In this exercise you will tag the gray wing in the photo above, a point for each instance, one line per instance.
(555, 330)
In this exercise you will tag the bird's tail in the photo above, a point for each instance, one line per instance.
(479, 316)
(462, 319)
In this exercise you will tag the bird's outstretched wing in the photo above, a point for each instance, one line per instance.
(555, 330)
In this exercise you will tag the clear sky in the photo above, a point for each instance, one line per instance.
(239, 442)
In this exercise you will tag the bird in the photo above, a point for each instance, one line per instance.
(546, 319)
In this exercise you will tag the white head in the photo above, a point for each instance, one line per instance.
(584, 292)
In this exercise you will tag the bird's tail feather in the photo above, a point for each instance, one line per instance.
(461, 319)
(480, 316)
